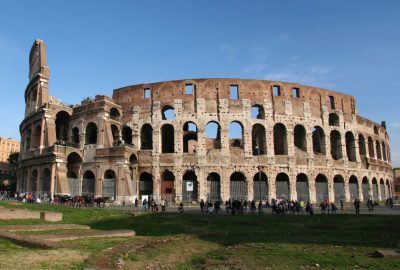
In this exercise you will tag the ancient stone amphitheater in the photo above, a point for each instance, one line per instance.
(202, 139)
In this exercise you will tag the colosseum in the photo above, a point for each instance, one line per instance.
(195, 139)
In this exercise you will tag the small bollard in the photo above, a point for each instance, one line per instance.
(43, 215)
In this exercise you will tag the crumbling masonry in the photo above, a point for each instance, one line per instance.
(202, 139)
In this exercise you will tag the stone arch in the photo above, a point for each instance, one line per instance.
(302, 187)
(375, 189)
(258, 139)
(213, 135)
(280, 139)
(336, 145)
(318, 138)
(378, 150)
(62, 126)
(91, 133)
(36, 136)
(75, 136)
(34, 181)
(190, 187)
(115, 114)
(361, 145)
(353, 188)
(282, 184)
(389, 191)
(350, 146)
(371, 151)
(133, 160)
(365, 188)
(145, 184)
(46, 181)
(115, 133)
(214, 187)
(338, 188)
(74, 163)
(376, 130)
(260, 187)
(127, 135)
(168, 186)
(383, 191)
(109, 186)
(384, 155)
(321, 188)
(300, 137)
(257, 112)
(146, 137)
(238, 186)
(189, 137)
(334, 120)
(167, 138)
(168, 112)
(236, 134)
(88, 183)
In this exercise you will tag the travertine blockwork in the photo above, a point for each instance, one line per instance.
(204, 139)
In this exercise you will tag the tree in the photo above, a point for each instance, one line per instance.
(13, 158)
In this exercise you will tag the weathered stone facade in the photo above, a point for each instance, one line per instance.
(202, 139)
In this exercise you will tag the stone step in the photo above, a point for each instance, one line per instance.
(43, 227)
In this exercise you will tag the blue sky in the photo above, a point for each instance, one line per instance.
(94, 47)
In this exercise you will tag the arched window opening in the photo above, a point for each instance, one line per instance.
(190, 187)
(302, 189)
(74, 163)
(280, 140)
(91, 133)
(378, 150)
(371, 151)
(236, 135)
(189, 137)
(353, 188)
(318, 138)
(146, 137)
(361, 145)
(383, 191)
(282, 186)
(115, 134)
(257, 112)
(334, 119)
(88, 182)
(214, 187)
(375, 189)
(75, 137)
(36, 136)
(127, 135)
(258, 140)
(145, 184)
(260, 187)
(376, 130)
(350, 146)
(389, 192)
(365, 188)
(168, 113)
(114, 114)
(321, 188)
(28, 140)
(338, 188)
(108, 187)
(238, 186)
(167, 186)
(34, 181)
(300, 138)
(133, 161)
(62, 126)
(384, 151)
(46, 177)
(167, 135)
(336, 145)
(213, 135)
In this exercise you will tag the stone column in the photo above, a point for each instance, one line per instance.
(52, 180)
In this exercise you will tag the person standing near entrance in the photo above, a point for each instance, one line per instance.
(163, 205)
(357, 206)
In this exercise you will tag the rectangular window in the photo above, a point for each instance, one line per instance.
(332, 102)
(189, 89)
(234, 91)
(147, 93)
(276, 90)
(296, 92)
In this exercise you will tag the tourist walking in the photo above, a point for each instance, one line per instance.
(357, 206)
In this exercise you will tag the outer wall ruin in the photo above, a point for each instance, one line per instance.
(202, 139)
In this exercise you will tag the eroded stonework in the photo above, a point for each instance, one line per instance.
(202, 139)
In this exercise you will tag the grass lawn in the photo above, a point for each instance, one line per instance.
(189, 241)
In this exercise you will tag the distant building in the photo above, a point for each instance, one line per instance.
(8, 146)
(397, 181)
